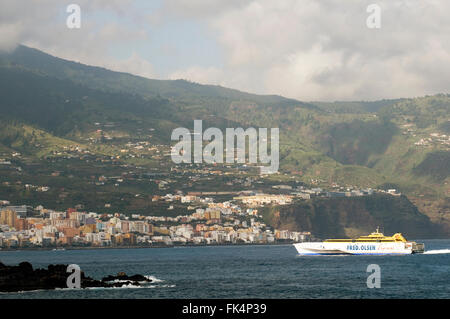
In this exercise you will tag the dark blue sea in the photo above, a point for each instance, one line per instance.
(274, 271)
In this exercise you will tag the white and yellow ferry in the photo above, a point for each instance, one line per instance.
(374, 244)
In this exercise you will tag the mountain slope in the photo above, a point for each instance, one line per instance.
(100, 78)
(353, 217)
(363, 144)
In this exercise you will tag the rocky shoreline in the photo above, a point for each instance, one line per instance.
(24, 278)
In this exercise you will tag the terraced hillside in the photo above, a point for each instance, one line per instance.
(49, 104)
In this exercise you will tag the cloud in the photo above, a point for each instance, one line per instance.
(201, 9)
(135, 64)
(42, 24)
(323, 50)
(304, 49)
(202, 75)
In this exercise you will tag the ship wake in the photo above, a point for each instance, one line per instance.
(438, 251)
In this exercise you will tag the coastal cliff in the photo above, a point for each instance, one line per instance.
(348, 217)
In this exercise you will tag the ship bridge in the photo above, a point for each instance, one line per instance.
(376, 236)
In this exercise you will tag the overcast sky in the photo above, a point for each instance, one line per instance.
(303, 49)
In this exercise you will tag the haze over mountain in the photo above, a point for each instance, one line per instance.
(46, 102)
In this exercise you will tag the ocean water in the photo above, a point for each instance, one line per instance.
(248, 272)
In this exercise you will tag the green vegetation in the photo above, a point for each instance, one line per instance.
(350, 217)
(436, 165)
(354, 142)
(49, 106)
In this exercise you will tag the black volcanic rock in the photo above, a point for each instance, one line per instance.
(24, 278)
(123, 277)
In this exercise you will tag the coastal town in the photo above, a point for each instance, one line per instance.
(83, 199)
(218, 223)
(206, 222)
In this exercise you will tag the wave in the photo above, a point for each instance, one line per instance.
(150, 277)
(437, 251)
(131, 286)
(153, 278)
(144, 284)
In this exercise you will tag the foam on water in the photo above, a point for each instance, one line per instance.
(144, 284)
(153, 278)
(131, 286)
(438, 251)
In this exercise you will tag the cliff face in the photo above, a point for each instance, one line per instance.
(355, 216)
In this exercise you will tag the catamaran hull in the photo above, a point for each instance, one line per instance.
(352, 248)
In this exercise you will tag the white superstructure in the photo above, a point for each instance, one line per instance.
(373, 244)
